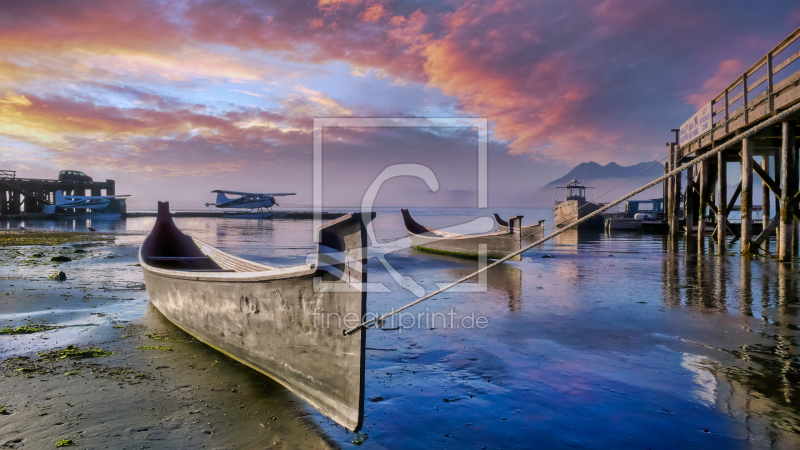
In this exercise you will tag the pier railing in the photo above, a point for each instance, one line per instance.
(772, 83)
(6, 174)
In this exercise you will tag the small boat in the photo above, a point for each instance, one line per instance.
(496, 245)
(623, 223)
(575, 207)
(527, 231)
(271, 318)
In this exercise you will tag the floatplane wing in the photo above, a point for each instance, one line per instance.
(258, 194)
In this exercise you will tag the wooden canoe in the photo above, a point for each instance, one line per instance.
(496, 245)
(527, 231)
(272, 318)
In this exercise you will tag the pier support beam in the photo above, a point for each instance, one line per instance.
(689, 203)
(722, 202)
(701, 218)
(747, 194)
(787, 164)
(765, 199)
(672, 217)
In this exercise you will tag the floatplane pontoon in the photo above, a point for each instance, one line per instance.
(528, 231)
(271, 318)
(497, 245)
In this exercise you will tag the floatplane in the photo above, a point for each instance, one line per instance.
(256, 203)
(97, 205)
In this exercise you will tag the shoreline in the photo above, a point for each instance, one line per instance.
(160, 388)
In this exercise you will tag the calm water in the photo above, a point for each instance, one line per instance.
(620, 340)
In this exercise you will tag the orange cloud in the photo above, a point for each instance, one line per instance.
(373, 13)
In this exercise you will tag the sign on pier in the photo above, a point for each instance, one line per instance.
(697, 125)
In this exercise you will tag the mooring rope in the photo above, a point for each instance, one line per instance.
(698, 159)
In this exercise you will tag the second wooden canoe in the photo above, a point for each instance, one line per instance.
(493, 245)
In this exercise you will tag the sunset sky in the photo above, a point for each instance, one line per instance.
(175, 98)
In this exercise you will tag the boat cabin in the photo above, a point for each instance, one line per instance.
(574, 191)
(654, 207)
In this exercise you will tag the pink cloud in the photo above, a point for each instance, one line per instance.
(728, 71)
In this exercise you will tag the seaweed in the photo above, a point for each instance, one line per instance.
(75, 353)
(164, 338)
(29, 237)
(26, 329)
(65, 443)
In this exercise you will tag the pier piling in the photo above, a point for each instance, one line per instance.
(722, 200)
(747, 194)
(702, 177)
(688, 203)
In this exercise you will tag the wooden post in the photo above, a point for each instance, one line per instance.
(665, 193)
(722, 203)
(785, 227)
(777, 178)
(744, 99)
(689, 203)
(747, 194)
(765, 198)
(727, 123)
(671, 191)
(677, 151)
(770, 98)
(794, 177)
(701, 218)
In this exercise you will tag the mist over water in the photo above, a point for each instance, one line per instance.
(618, 340)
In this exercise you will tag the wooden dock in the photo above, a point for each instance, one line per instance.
(767, 88)
(31, 195)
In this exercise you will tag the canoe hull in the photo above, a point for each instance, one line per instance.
(286, 323)
(492, 245)
(278, 328)
(497, 246)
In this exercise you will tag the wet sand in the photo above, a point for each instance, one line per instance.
(188, 396)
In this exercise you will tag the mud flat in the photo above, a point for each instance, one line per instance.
(87, 361)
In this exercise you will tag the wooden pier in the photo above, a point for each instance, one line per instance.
(767, 88)
(29, 195)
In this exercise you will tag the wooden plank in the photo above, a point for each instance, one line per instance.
(766, 232)
(752, 86)
(766, 179)
(786, 62)
(734, 197)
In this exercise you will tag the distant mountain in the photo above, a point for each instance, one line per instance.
(607, 178)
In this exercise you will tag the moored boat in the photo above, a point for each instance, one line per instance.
(527, 231)
(575, 207)
(495, 245)
(284, 322)
(623, 223)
